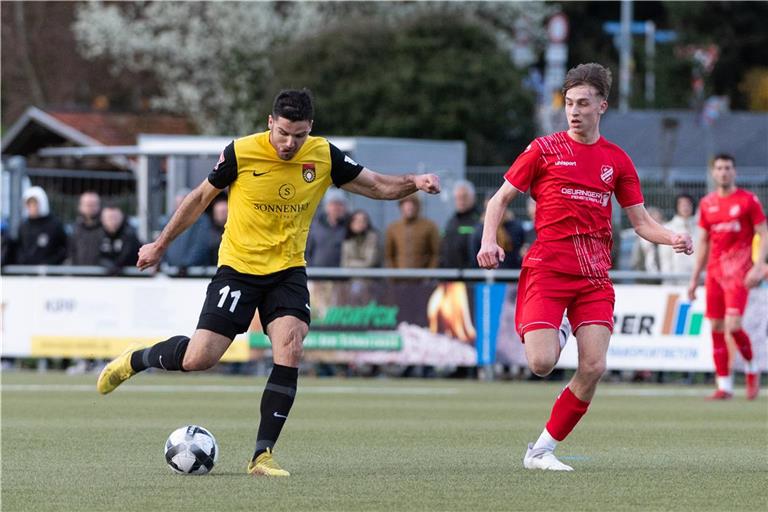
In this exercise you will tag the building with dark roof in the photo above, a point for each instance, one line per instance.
(37, 129)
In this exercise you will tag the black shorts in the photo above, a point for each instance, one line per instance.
(232, 299)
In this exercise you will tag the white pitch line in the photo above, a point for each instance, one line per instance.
(320, 390)
(213, 388)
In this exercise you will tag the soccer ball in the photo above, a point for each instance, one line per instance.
(191, 450)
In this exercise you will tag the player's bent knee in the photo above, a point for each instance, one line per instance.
(296, 349)
(541, 367)
(198, 362)
(296, 341)
(296, 355)
(289, 350)
(718, 325)
(592, 371)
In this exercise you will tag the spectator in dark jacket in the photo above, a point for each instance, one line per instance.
(455, 248)
(7, 245)
(511, 237)
(119, 243)
(192, 248)
(85, 242)
(219, 213)
(42, 239)
(328, 232)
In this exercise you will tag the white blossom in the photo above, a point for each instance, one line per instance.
(214, 60)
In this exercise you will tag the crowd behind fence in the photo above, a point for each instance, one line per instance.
(65, 185)
(118, 189)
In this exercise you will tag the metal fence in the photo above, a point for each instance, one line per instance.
(64, 186)
(335, 273)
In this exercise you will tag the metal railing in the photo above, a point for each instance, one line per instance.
(441, 274)
(64, 186)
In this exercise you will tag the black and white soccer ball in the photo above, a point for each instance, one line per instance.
(191, 450)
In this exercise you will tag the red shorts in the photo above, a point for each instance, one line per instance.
(543, 296)
(725, 297)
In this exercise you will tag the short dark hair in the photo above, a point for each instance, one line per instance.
(596, 75)
(724, 156)
(294, 105)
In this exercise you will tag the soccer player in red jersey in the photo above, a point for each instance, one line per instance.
(572, 175)
(729, 217)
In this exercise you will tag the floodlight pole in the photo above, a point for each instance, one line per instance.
(625, 55)
(17, 166)
(142, 196)
(650, 64)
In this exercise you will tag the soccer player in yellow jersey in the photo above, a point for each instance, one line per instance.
(276, 179)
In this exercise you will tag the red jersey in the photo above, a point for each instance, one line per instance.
(572, 184)
(730, 222)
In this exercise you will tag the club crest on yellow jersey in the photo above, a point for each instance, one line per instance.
(308, 172)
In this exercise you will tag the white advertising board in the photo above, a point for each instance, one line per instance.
(99, 317)
(657, 328)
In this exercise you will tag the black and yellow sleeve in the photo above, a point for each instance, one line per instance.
(343, 168)
(225, 170)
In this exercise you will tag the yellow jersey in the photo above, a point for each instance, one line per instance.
(272, 201)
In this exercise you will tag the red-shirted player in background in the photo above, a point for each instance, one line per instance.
(572, 176)
(729, 218)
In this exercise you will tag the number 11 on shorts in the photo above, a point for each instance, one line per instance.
(235, 297)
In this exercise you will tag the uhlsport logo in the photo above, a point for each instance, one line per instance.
(679, 320)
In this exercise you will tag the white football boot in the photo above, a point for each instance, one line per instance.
(543, 459)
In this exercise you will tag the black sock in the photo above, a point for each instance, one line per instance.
(166, 355)
(276, 402)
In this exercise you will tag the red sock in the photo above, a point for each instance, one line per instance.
(743, 344)
(720, 354)
(566, 413)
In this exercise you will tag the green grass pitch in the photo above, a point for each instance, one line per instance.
(378, 445)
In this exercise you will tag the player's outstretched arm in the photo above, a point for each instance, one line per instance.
(758, 270)
(702, 254)
(490, 254)
(185, 215)
(386, 186)
(654, 232)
